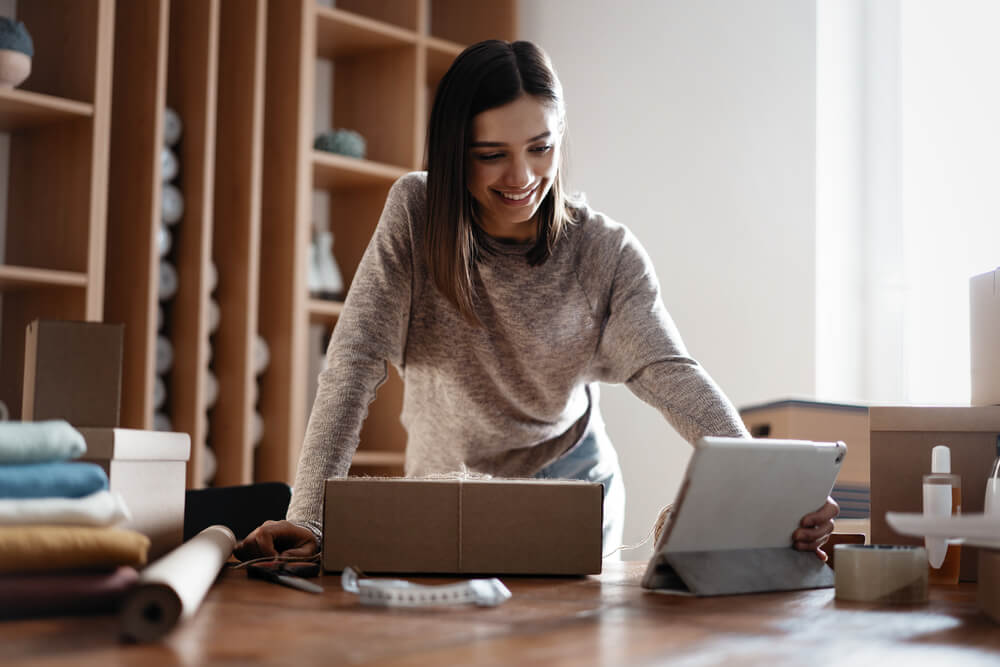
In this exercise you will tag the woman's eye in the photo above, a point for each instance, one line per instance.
(542, 149)
(487, 157)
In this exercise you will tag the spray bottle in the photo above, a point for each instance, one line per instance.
(942, 497)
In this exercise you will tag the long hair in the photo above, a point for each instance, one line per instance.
(484, 76)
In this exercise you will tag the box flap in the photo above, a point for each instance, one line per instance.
(388, 526)
(563, 535)
(135, 445)
(935, 418)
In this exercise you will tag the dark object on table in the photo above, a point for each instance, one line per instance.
(240, 508)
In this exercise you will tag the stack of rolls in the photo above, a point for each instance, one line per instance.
(60, 549)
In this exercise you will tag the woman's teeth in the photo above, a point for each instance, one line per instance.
(516, 197)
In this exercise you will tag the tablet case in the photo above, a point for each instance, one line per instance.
(740, 502)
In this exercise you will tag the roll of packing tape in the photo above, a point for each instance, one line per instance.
(881, 573)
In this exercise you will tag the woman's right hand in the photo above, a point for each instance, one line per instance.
(277, 538)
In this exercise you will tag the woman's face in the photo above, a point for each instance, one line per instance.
(513, 157)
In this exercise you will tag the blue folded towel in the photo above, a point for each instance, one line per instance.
(38, 442)
(51, 480)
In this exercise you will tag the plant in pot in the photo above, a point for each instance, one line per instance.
(16, 51)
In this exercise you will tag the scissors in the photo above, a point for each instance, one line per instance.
(287, 574)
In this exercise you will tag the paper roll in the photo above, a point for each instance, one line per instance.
(171, 589)
(881, 573)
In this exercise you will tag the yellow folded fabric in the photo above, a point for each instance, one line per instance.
(50, 548)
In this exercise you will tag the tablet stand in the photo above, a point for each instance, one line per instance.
(736, 571)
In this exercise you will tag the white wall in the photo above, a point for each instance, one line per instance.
(694, 124)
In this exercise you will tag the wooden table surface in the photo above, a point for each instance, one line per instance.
(603, 620)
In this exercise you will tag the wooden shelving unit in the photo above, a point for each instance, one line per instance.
(58, 120)
(85, 193)
(387, 59)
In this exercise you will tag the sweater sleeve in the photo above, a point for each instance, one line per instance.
(641, 346)
(370, 333)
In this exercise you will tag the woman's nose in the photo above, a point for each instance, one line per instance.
(518, 173)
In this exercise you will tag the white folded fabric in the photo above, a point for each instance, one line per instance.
(40, 442)
(103, 508)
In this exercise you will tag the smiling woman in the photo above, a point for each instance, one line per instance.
(504, 303)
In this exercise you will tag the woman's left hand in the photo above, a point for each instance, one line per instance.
(815, 528)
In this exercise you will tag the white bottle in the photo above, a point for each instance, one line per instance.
(991, 504)
(939, 500)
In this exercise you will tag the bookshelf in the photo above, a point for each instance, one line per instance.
(86, 195)
(59, 122)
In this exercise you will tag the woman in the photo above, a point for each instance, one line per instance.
(503, 301)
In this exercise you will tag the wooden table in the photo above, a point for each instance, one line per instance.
(607, 620)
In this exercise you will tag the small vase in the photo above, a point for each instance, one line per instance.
(16, 51)
(14, 68)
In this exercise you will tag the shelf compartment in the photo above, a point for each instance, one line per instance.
(340, 33)
(71, 40)
(332, 171)
(398, 13)
(441, 53)
(375, 94)
(322, 311)
(467, 22)
(21, 109)
(50, 302)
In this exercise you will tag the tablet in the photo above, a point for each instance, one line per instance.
(746, 494)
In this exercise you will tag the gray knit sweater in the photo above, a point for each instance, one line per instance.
(509, 397)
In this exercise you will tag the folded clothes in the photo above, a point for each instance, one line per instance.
(53, 548)
(102, 508)
(65, 479)
(38, 442)
(24, 595)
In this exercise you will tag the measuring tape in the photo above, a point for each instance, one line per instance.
(400, 593)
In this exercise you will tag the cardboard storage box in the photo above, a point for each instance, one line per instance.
(149, 469)
(984, 337)
(901, 443)
(72, 371)
(815, 420)
(463, 526)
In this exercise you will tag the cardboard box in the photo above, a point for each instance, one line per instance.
(73, 371)
(149, 469)
(984, 337)
(815, 420)
(548, 527)
(901, 443)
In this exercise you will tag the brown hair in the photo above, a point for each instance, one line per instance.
(484, 76)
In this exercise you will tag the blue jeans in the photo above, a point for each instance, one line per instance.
(594, 459)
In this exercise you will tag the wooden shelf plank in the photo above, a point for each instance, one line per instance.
(21, 109)
(321, 310)
(332, 171)
(20, 277)
(374, 458)
(340, 33)
(440, 55)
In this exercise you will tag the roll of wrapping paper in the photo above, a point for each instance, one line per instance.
(170, 590)
(881, 573)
